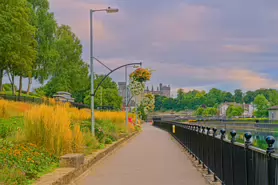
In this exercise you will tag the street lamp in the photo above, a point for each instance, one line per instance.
(108, 10)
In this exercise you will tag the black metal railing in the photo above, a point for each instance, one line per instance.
(231, 162)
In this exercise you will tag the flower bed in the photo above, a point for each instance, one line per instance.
(20, 163)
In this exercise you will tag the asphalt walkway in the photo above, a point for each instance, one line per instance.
(151, 158)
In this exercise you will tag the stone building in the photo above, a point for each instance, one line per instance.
(162, 90)
(122, 93)
(248, 109)
(273, 113)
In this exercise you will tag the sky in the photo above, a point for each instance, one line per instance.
(191, 44)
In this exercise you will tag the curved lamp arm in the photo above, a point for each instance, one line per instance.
(130, 64)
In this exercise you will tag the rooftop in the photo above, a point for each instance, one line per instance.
(273, 108)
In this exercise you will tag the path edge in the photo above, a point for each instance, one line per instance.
(203, 171)
(62, 178)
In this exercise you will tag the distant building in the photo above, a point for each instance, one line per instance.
(273, 113)
(122, 93)
(63, 96)
(161, 90)
(248, 109)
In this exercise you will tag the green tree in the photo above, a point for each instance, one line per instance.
(234, 111)
(106, 95)
(71, 72)
(238, 96)
(17, 45)
(261, 104)
(46, 26)
(199, 111)
(210, 111)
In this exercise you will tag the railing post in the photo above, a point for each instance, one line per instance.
(223, 132)
(199, 145)
(214, 135)
(248, 143)
(208, 153)
(233, 140)
(203, 144)
(270, 140)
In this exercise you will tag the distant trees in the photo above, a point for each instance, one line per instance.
(198, 100)
(234, 110)
(262, 105)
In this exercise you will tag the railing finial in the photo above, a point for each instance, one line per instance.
(233, 134)
(270, 140)
(223, 132)
(248, 136)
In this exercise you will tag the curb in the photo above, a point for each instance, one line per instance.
(63, 176)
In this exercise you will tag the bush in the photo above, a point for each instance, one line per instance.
(25, 161)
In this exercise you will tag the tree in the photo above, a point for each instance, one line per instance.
(199, 111)
(107, 95)
(261, 104)
(71, 72)
(233, 111)
(46, 26)
(210, 111)
(17, 45)
(238, 96)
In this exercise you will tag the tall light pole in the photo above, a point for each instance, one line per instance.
(108, 10)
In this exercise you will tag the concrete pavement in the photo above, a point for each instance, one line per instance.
(151, 158)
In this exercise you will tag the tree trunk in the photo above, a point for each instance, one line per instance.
(29, 85)
(12, 82)
(20, 87)
(1, 79)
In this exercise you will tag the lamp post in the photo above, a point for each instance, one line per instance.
(108, 10)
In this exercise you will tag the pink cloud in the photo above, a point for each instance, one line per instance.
(244, 48)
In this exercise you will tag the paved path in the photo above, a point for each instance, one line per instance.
(151, 158)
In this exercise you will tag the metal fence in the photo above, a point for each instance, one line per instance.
(37, 100)
(231, 162)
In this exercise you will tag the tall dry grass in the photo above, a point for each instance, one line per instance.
(50, 127)
(11, 109)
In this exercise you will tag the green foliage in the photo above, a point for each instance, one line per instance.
(199, 111)
(210, 111)
(26, 160)
(8, 87)
(262, 105)
(8, 127)
(194, 99)
(106, 95)
(234, 111)
(105, 131)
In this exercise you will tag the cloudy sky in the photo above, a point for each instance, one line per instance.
(191, 44)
